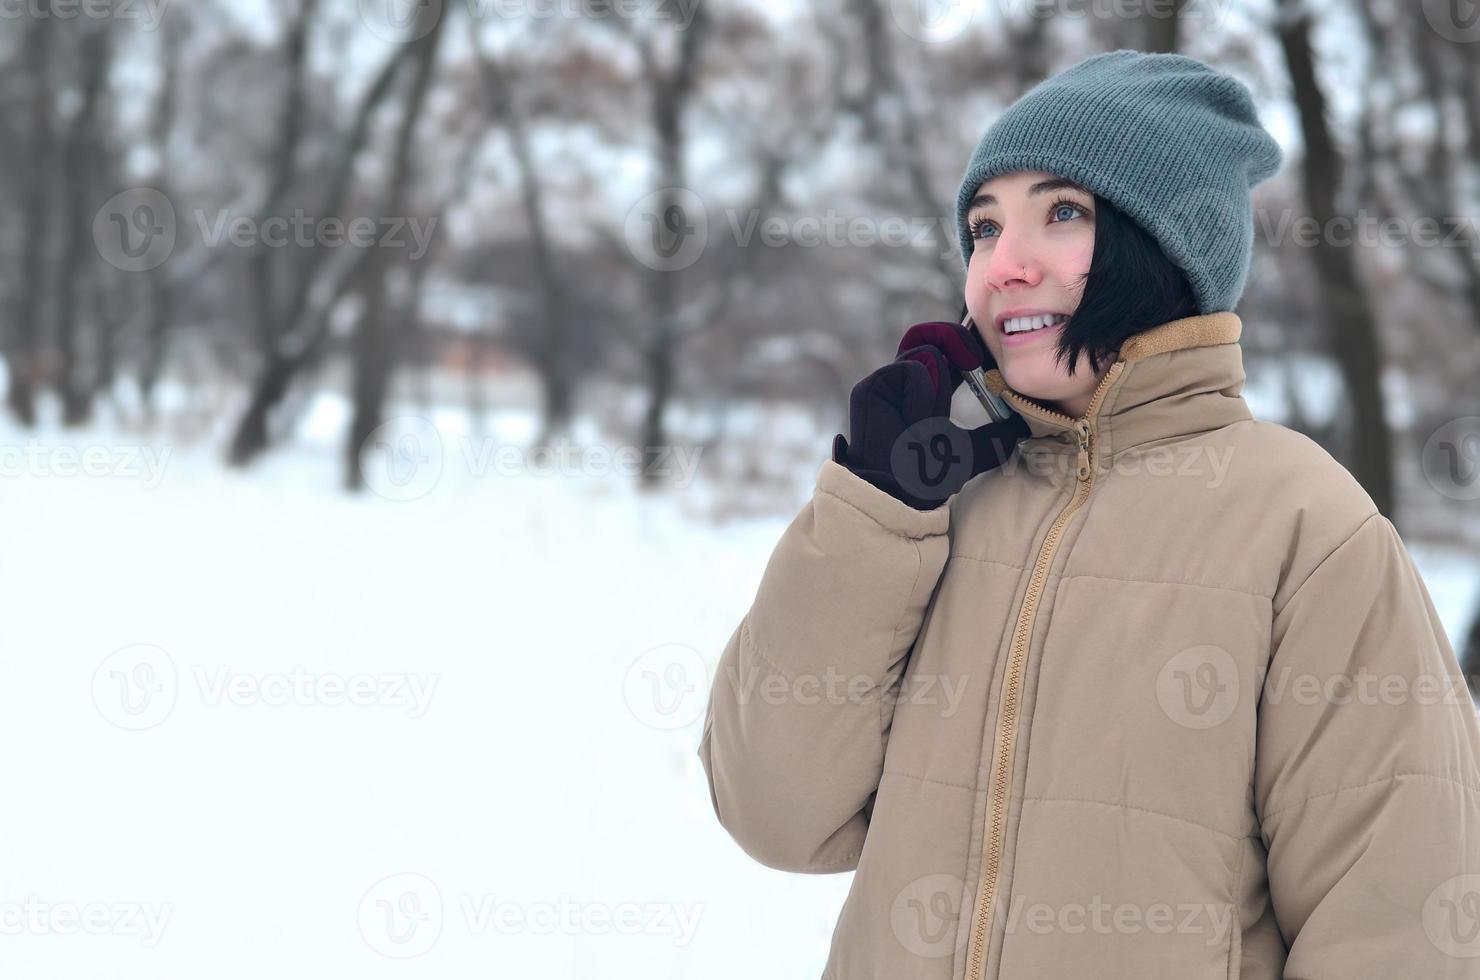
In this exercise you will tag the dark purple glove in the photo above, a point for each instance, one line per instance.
(901, 437)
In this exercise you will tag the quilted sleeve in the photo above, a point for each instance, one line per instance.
(802, 700)
(1367, 773)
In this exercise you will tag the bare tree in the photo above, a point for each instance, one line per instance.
(274, 373)
(293, 328)
(22, 351)
(162, 289)
(668, 88)
(78, 151)
(888, 107)
(1350, 325)
(376, 338)
(549, 349)
(1162, 25)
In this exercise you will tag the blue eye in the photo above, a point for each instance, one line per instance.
(978, 225)
(1064, 203)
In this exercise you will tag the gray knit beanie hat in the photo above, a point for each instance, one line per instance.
(1167, 139)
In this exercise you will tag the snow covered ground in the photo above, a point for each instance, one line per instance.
(259, 727)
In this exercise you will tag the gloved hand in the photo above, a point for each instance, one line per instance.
(901, 438)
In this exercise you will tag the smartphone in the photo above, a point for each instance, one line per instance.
(996, 408)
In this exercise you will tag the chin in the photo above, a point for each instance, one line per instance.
(1034, 379)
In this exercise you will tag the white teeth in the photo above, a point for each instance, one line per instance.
(1021, 323)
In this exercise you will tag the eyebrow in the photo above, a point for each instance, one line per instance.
(1042, 187)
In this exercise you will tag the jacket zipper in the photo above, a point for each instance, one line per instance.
(1007, 713)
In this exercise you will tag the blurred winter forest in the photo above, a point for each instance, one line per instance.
(678, 224)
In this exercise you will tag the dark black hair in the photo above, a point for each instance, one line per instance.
(1131, 286)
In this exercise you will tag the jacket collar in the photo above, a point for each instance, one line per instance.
(1173, 380)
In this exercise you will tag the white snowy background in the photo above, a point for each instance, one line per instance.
(545, 804)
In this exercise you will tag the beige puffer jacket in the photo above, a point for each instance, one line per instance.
(1163, 697)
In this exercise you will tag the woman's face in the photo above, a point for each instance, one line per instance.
(1033, 236)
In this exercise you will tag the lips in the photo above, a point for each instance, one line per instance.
(1028, 324)
(1033, 327)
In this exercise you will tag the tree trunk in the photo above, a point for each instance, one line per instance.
(22, 351)
(1161, 27)
(1347, 314)
(375, 340)
(75, 392)
(161, 289)
(292, 331)
(671, 91)
(553, 357)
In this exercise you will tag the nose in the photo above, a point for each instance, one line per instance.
(1010, 265)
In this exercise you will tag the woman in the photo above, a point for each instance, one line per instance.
(1159, 695)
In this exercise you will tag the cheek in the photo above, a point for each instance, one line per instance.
(1076, 261)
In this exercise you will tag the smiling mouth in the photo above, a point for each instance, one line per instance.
(1028, 324)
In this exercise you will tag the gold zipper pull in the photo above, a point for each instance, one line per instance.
(1081, 430)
